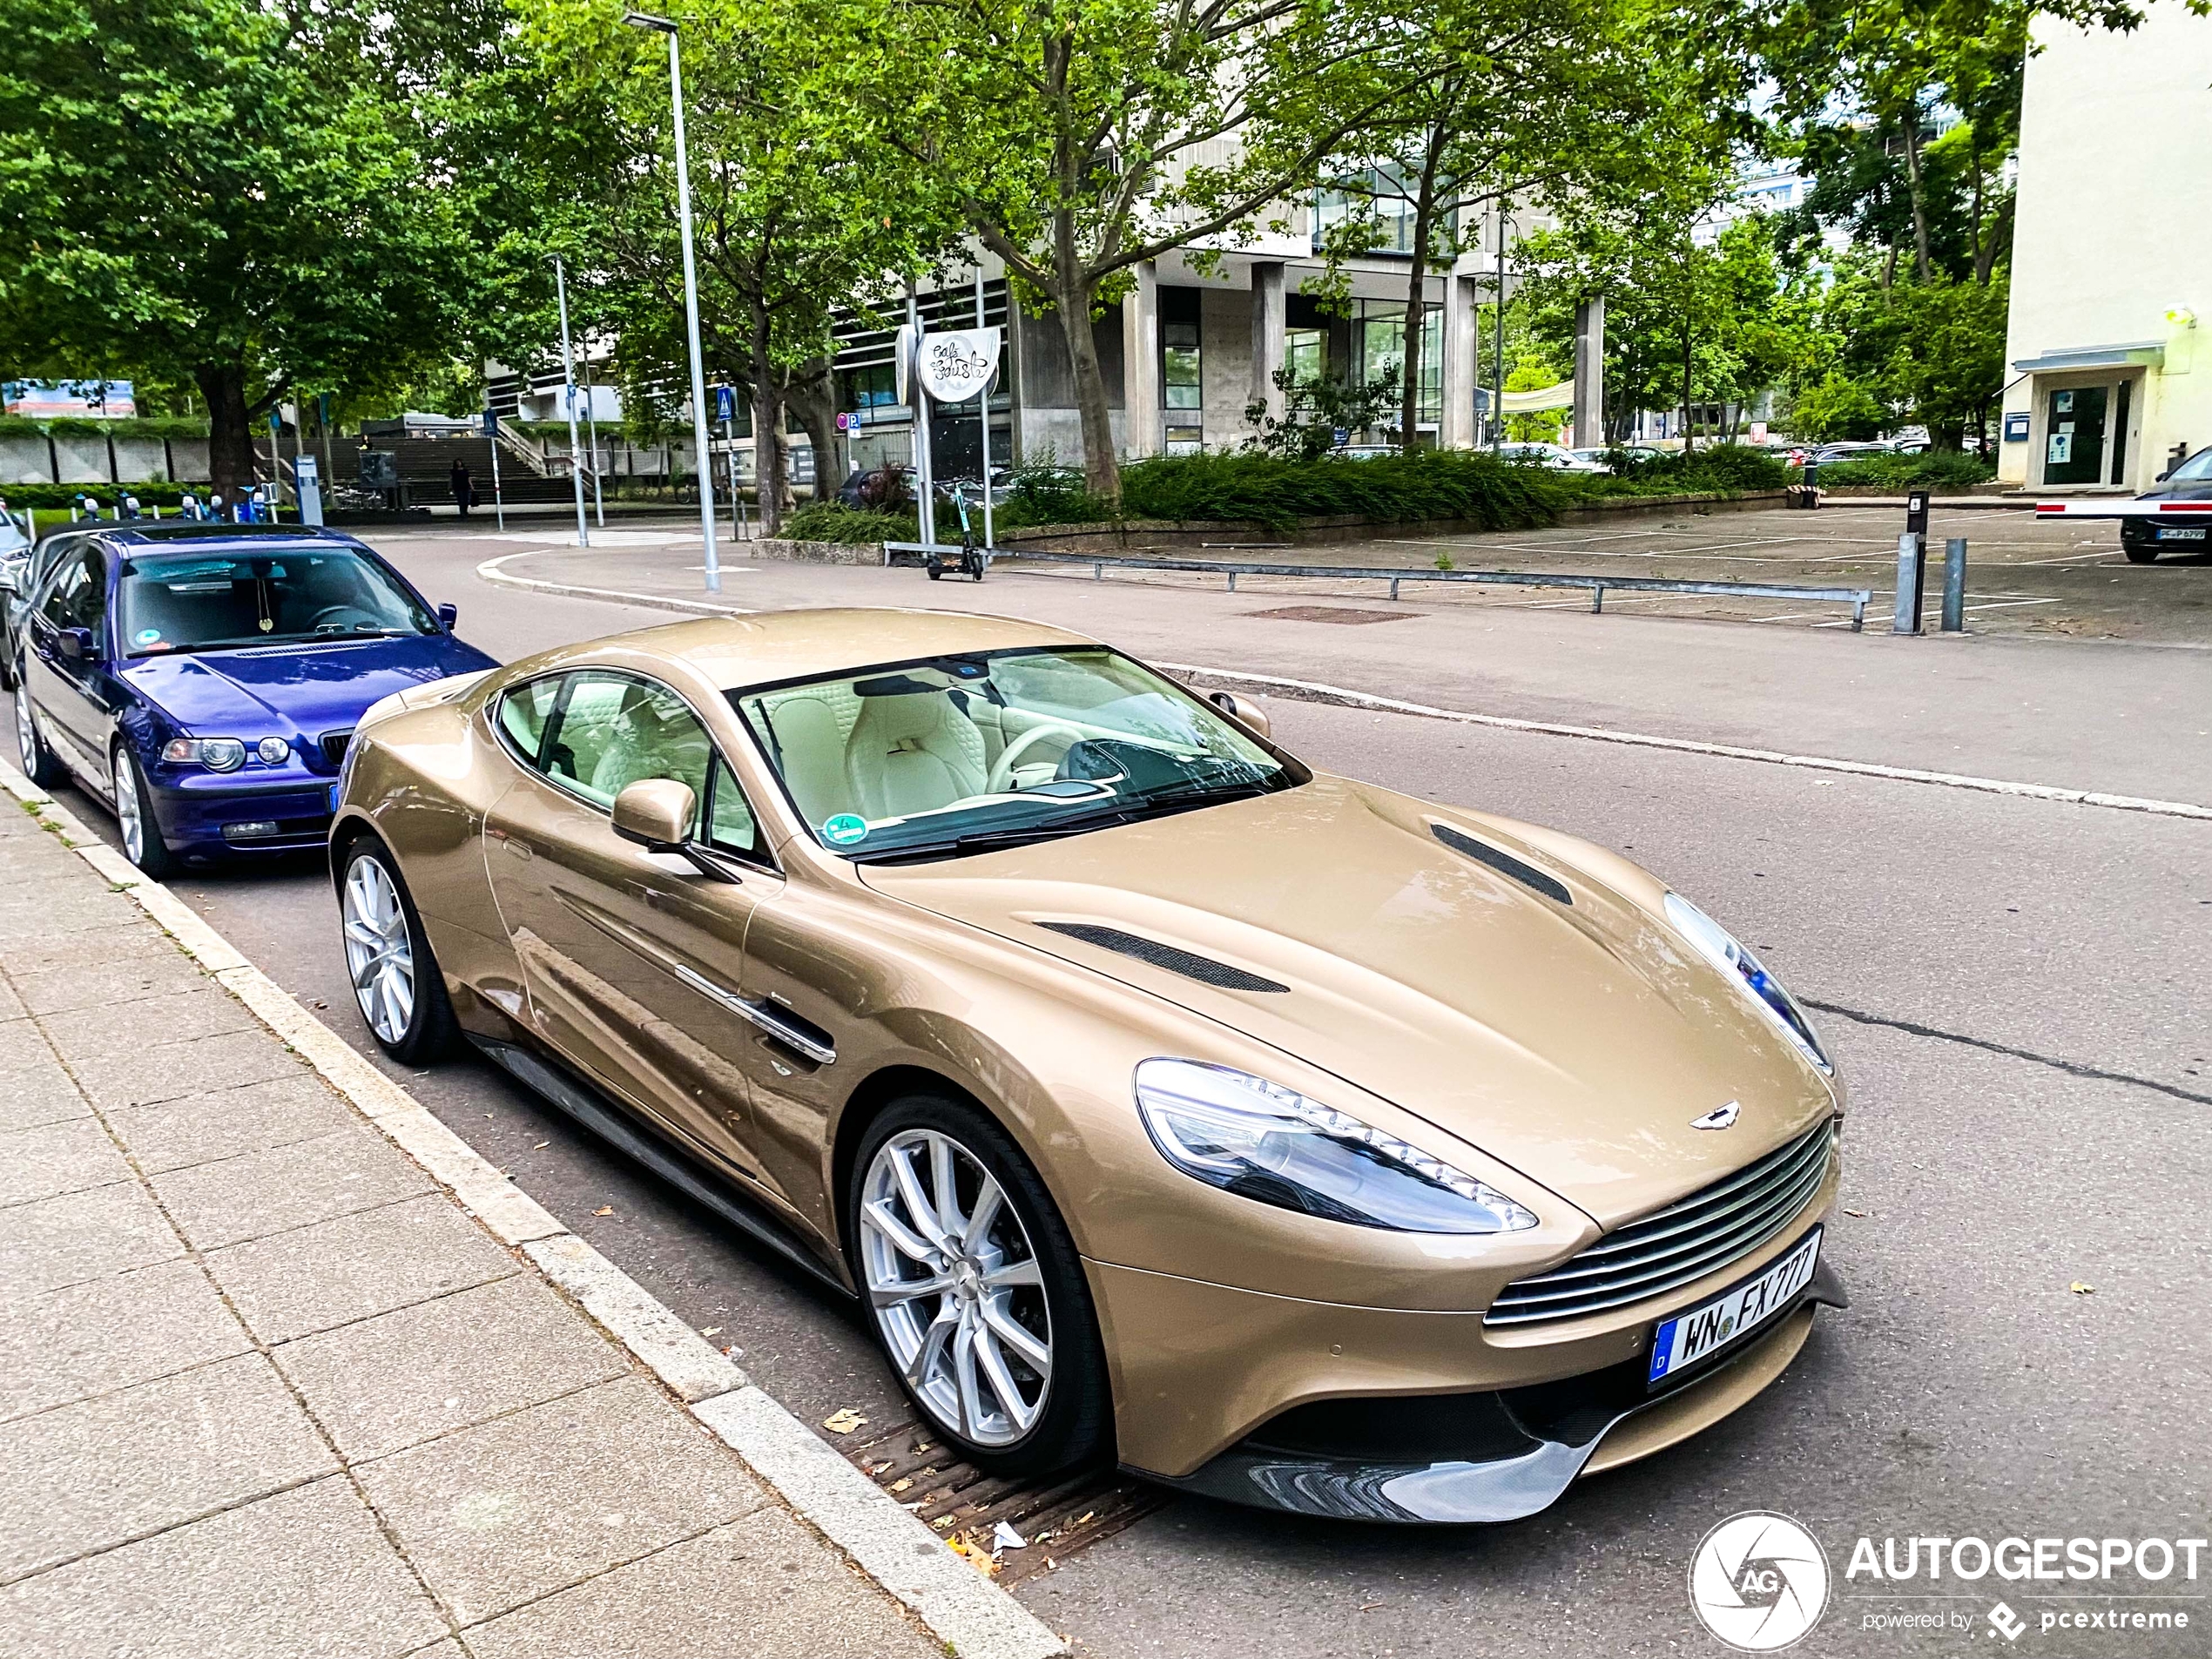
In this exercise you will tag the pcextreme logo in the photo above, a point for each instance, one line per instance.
(1758, 1581)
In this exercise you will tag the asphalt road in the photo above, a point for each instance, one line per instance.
(2015, 989)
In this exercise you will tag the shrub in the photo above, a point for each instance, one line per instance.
(831, 521)
(1266, 490)
(1726, 469)
(1941, 470)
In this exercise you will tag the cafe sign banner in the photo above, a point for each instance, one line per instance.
(957, 365)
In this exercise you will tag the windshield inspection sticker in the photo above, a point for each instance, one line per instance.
(845, 829)
(148, 636)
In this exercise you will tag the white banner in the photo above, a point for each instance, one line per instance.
(956, 366)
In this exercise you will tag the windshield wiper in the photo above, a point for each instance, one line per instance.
(1158, 804)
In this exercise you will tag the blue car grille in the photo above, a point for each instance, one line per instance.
(334, 747)
(1684, 1241)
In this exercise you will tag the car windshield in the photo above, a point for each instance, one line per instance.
(962, 754)
(173, 601)
(2197, 467)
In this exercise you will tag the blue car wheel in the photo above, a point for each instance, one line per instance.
(142, 839)
(39, 766)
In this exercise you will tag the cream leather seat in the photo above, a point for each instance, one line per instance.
(911, 754)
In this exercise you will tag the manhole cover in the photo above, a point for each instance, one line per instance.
(962, 1504)
(1329, 613)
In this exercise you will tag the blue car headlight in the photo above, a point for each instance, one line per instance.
(1262, 1141)
(216, 754)
(1717, 945)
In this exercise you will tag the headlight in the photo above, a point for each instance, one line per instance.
(1258, 1139)
(273, 751)
(1718, 947)
(216, 754)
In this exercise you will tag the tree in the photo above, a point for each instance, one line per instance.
(1077, 139)
(186, 188)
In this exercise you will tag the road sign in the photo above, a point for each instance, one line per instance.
(725, 404)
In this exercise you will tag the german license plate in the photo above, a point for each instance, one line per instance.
(2180, 533)
(1734, 1314)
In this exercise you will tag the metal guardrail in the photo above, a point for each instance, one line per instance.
(1857, 598)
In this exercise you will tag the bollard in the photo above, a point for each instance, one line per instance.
(1954, 585)
(1909, 576)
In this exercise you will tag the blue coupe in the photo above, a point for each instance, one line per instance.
(203, 680)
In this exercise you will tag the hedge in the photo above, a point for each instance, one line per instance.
(1276, 492)
(77, 425)
(58, 498)
(1942, 469)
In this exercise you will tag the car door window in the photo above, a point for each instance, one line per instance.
(78, 595)
(610, 732)
(524, 712)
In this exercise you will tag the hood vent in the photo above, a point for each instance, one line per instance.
(1205, 969)
(1504, 863)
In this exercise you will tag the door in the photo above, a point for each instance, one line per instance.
(630, 959)
(2074, 435)
(68, 693)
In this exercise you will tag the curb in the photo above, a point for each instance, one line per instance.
(1343, 697)
(489, 571)
(972, 1616)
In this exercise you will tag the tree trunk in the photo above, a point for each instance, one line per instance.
(230, 429)
(1921, 262)
(768, 469)
(813, 396)
(1416, 329)
(1689, 438)
(1102, 471)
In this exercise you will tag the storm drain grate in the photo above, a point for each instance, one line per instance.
(963, 1506)
(1331, 613)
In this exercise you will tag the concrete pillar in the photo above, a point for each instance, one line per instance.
(1456, 431)
(1271, 320)
(1146, 432)
(1589, 373)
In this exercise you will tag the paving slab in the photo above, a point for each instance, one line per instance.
(34, 1089)
(169, 1070)
(69, 1156)
(11, 1006)
(23, 957)
(258, 1193)
(303, 1573)
(137, 975)
(67, 914)
(398, 1380)
(312, 1279)
(223, 1123)
(110, 1333)
(83, 1235)
(190, 1014)
(108, 1471)
(761, 1588)
(501, 1514)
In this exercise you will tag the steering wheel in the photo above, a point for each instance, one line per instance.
(1002, 773)
(338, 615)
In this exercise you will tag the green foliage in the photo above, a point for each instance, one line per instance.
(57, 499)
(1043, 492)
(832, 521)
(1266, 490)
(160, 426)
(1943, 470)
(1725, 468)
(1315, 409)
(1837, 408)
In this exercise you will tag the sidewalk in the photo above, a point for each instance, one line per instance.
(267, 1388)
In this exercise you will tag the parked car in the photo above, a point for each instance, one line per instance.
(2142, 539)
(1827, 453)
(1603, 456)
(20, 572)
(1365, 451)
(1558, 457)
(203, 680)
(1159, 1099)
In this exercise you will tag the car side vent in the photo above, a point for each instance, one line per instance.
(1504, 863)
(1202, 969)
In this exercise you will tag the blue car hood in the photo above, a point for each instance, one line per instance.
(303, 690)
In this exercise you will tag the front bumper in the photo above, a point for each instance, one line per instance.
(1507, 1453)
(194, 807)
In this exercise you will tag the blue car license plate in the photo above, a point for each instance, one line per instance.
(2180, 533)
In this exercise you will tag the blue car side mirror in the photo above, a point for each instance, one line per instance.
(75, 644)
(447, 614)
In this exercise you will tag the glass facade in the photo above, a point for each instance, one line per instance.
(1379, 345)
(1370, 192)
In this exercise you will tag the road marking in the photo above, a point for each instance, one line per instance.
(1319, 692)
(489, 571)
(965, 1610)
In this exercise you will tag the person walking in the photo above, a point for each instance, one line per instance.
(464, 492)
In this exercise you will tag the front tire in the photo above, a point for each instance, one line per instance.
(142, 841)
(974, 1290)
(38, 763)
(2139, 552)
(397, 985)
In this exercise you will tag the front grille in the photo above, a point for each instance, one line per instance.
(333, 748)
(1203, 969)
(1671, 1247)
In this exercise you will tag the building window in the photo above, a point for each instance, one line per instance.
(1380, 193)
(1305, 351)
(1379, 345)
(1182, 377)
(874, 391)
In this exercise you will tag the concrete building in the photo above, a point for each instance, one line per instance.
(2112, 257)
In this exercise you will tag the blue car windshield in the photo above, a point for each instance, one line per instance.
(187, 602)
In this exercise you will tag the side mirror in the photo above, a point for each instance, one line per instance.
(2162, 478)
(76, 643)
(657, 813)
(447, 614)
(1243, 710)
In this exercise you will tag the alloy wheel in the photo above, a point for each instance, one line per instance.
(955, 1287)
(379, 954)
(130, 817)
(26, 733)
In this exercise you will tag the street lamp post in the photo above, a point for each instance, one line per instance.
(568, 398)
(663, 25)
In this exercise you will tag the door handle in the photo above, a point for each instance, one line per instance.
(759, 1015)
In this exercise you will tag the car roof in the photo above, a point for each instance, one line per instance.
(185, 535)
(775, 647)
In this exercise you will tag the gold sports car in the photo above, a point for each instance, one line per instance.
(1283, 1137)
